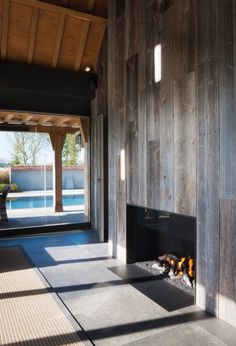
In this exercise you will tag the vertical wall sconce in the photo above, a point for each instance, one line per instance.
(157, 63)
(122, 165)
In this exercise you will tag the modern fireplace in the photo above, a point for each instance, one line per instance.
(164, 237)
(151, 233)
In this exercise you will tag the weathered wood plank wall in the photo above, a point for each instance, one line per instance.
(207, 155)
(227, 132)
(153, 122)
(179, 135)
(99, 161)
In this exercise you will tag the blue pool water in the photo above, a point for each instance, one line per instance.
(43, 202)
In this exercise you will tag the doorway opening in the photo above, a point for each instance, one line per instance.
(45, 162)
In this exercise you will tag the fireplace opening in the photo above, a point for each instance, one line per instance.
(163, 243)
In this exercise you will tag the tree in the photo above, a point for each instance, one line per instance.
(70, 150)
(27, 147)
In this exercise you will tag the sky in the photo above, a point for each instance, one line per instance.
(46, 157)
(6, 150)
(5, 147)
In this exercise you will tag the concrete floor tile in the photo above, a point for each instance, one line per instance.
(96, 290)
(183, 335)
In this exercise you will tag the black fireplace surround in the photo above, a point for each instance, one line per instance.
(151, 233)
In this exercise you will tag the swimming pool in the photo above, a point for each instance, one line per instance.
(43, 202)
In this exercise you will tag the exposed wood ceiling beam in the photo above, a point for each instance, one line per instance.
(60, 121)
(60, 30)
(5, 27)
(47, 129)
(44, 120)
(81, 47)
(39, 122)
(84, 126)
(8, 117)
(67, 11)
(33, 32)
(27, 118)
(68, 117)
(75, 125)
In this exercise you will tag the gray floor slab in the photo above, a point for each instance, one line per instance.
(155, 287)
(99, 292)
(190, 335)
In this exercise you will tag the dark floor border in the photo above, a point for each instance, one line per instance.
(26, 231)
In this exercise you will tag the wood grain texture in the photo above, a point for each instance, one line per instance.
(184, 111)
(91, 4)
(152, 109)
(112, 126)
(93, 44)
(94, 174)
(72, 37)
(179, 134)
(5, 28)
(131, 109)
(185, 146)
(227, 285)
(167, 114)
(57, 47)
(19, 32)
(208, 164)
(131, 26)
(121, 131)
(58, 9)
(227, 99)
(37, 32)
(142, 143)
(46, 37)
(80, 51)
(33, 32)
(99, 165)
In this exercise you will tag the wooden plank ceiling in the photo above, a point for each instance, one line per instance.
(41, 123)
(62, 34)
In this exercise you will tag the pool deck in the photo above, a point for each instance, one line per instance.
(43, 217)
(43, 193)
(31, 217)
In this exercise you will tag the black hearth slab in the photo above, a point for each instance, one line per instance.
(169, 297)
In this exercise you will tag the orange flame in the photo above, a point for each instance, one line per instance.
(179, 270)
(190, 267)
(181, 262)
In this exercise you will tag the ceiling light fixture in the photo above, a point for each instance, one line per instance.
(87, 69)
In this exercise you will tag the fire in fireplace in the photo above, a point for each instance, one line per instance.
(163, 243)
(176, 267)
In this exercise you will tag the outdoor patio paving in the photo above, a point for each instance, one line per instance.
(42, 217)
(18, 218)
(99, 292)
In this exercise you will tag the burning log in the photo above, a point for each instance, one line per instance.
(157, 265)
(186, 276)
(168, 258)
(172, 274)
(176, 267)
(161, 266)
